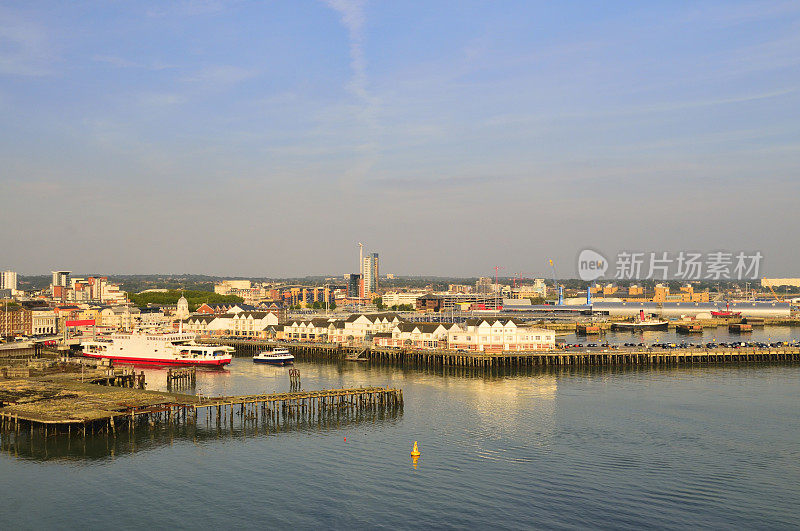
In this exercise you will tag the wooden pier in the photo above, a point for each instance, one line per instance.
(181, 378)
(509, 359)
(117, 378)
(53, 407)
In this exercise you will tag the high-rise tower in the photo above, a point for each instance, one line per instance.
(370, 273)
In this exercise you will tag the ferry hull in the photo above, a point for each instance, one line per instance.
(274, 362)
(155, 361)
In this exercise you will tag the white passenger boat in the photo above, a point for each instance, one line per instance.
(157, 348)
(276, 356)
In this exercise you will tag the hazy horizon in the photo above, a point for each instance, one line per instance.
(268, 139)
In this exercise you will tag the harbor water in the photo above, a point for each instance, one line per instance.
(713, 447)
(763, 334)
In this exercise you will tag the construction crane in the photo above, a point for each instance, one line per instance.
(496, 285)
(559, 288)
(773, 293)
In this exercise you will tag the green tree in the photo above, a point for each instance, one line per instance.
(193, 297)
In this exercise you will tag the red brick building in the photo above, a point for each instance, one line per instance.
(15, 320)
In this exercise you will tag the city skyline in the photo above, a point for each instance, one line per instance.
(451, 136)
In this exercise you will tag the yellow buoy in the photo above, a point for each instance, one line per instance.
(415, 451)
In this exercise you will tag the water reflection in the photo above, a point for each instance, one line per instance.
(709, 335)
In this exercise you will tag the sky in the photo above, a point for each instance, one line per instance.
(268, 138)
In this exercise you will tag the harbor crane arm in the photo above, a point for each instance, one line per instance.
(774, 294)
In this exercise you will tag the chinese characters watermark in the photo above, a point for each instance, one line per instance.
(662, 265)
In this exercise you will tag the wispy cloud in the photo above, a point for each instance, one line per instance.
(508, 119)
(161, 99)
(187, 8)
(728, 13)
(204, 82)
(353, 18)
(219, 77)
(367, 151)
(24, 47)
(121, 62)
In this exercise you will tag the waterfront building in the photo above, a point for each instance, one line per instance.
(244, 323)
(198, 323)
(499, 335)
(360, 326)
(317, 329)
(415, 335)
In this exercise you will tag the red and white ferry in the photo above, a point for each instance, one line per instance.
(157, 348)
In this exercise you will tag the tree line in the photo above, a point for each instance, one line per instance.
(194, 297)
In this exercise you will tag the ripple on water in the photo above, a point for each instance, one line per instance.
(574, 449)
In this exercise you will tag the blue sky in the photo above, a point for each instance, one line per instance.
(267, 138)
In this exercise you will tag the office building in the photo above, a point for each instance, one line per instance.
(354, 286)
